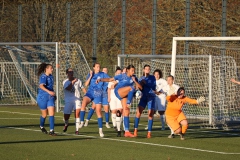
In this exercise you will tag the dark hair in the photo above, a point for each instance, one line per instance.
(146, 65)
(159, 72)
(129, 67)
(118, 68)
(67, 70)
(42, 67)
(180, 90)
(95, 64)
(171, 77)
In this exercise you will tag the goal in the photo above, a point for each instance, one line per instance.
(223, 95)
(204, 68)
(19, 63)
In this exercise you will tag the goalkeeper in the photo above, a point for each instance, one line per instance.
(175, 118)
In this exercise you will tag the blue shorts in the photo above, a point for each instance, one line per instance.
(147, 101)
(45, 100)
(117, 95)
(96, 98)
(105, 99)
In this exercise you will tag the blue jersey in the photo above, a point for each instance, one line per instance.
(93, 85)
(149, 87)
(105, 86)
(124, 80)
(48, 83)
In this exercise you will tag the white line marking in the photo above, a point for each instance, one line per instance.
(233, 134)
(128, 141)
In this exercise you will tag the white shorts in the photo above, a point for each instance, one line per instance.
(70, 106)
(160, 103)
(115, 103)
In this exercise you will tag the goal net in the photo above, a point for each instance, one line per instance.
(19, 63)
(204, 68)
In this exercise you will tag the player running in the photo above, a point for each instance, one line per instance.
(148, 83)
(175, 118)
(94, 94)
(72, 92)
(104, 103)
(124, 92)
(160, 99)
(46, 96)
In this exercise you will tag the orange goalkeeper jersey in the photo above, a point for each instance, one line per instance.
(174, 106)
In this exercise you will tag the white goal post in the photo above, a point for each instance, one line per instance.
(19, 63)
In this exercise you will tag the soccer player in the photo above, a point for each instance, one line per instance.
(46, 96)
(148, 83)
(72, 93)
(175, 118)
(160, 99)
(124, 92)
(115, 104)
(94, 94)
(104, 103)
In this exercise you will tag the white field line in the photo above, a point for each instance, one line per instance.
(233, 134)
(130, 141)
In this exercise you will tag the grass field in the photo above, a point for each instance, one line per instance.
(20, 138)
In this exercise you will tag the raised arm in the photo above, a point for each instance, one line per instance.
(89, 79)
(69, 87)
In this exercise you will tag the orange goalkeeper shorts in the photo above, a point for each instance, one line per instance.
(174, 122)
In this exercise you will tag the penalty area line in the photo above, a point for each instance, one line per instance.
(130, 141)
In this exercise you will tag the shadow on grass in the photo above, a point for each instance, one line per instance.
(46, 141)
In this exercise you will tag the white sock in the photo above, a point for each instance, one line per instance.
(77, 123)
(114, 119)
(123, 123)
(172, 132)
(118, 122)
(100, 130)
(162, 117)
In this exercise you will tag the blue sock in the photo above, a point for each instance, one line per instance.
(126, 123)
(150, 124)
(130, 95)
(42, 121)
(107, 116)
(100, 122)
(90, 113)
(51, 122)
(136, 122)
(82, 115)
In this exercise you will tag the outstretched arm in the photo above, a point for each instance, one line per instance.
(234, 81)
(104, 80)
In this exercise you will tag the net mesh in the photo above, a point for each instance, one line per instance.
(19, 64)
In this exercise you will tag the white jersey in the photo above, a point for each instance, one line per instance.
(167, 88)
(115, 103)
(161, 84)
(74, 93)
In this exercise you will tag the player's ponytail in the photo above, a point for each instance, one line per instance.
(42, 67)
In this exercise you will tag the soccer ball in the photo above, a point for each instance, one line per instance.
(138, 94)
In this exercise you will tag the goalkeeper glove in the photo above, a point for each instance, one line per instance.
(200, 99)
